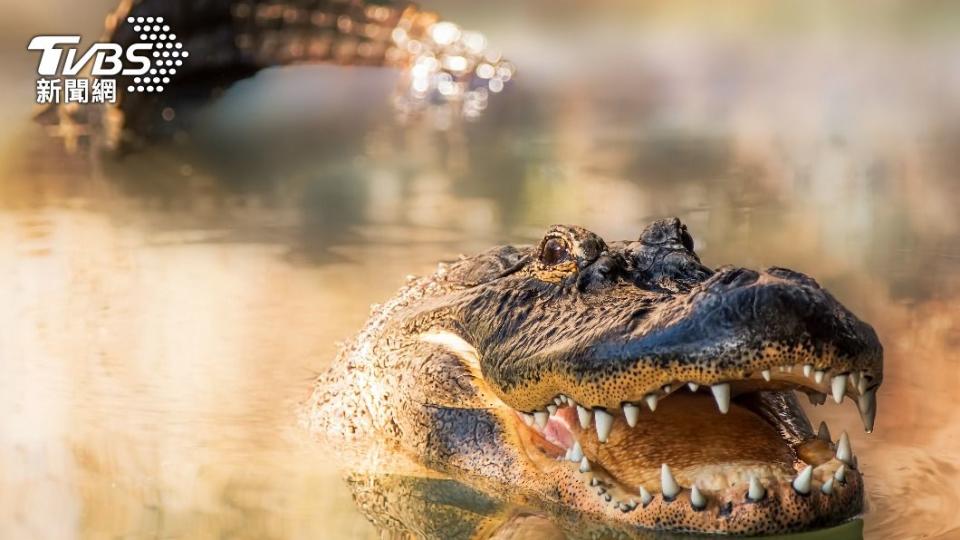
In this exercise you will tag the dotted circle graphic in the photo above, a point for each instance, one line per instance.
(167, 51)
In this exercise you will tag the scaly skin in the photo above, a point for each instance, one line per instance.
(230, 40)
(448, 371)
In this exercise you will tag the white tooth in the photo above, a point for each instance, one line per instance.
(790, 368)
(721, 393)
(541, 417)
(645, 496)
(668, 486)
(854, 378)
(862, 383)
(765, 374)
(527, 419)
(632, 413)
(840, 473)
(844, 452)
(755, 492)
(782, 369)
(584, 414)
(838, 385)
(818, 376)
(697, 499)
(693, 386)
(571, 403)
(802, 482)
(867, 403)
(576, 453)
(667, 389)
(807, 370)
(827, 487)
(824, 433)
(584, 465)
(604, 422)
(651, 400)
(566, 455)
(552, 409)
(558, 401)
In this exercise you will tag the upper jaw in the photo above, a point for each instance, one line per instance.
(735, 326)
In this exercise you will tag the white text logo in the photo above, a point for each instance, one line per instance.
(151, 61)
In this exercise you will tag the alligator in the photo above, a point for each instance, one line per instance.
(625, 383)
(225, 41)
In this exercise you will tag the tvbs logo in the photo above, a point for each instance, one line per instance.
(151, 61)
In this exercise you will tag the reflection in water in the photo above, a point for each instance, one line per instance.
(165, 312)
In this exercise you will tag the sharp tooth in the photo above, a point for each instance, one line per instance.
(558, 401)
(838, 385)
(818, 376)
(651, 400)
(552, 409)
(854, 378)
(594, 482)
(755, 492)
(584, 465)
(667, 389)
(802, 482)
(668, 486)
(693, 386)
(862, 383)
(645, 496)
(527, 419)
(584, 414)
(827, 487)
(807, 370)
(721, 393)
(541, 417)
(697, 499)
(576, 453)
(566, 456)
(782, 369)
(844, 452)
(765, 374)
(840, 474)
(824, 433)
(604, 422)
(867, 403)
(632, 413)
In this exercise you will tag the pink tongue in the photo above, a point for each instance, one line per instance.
(558, 433)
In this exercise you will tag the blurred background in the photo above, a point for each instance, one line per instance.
(165, 310)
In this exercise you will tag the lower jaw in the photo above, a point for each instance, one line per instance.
(622, 483)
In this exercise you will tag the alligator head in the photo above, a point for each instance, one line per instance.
(624, 381)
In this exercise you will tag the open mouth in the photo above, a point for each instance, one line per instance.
(738, 456)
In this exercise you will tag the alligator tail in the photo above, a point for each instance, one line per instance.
(229, 40)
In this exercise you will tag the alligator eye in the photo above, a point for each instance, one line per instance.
(554, 252)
